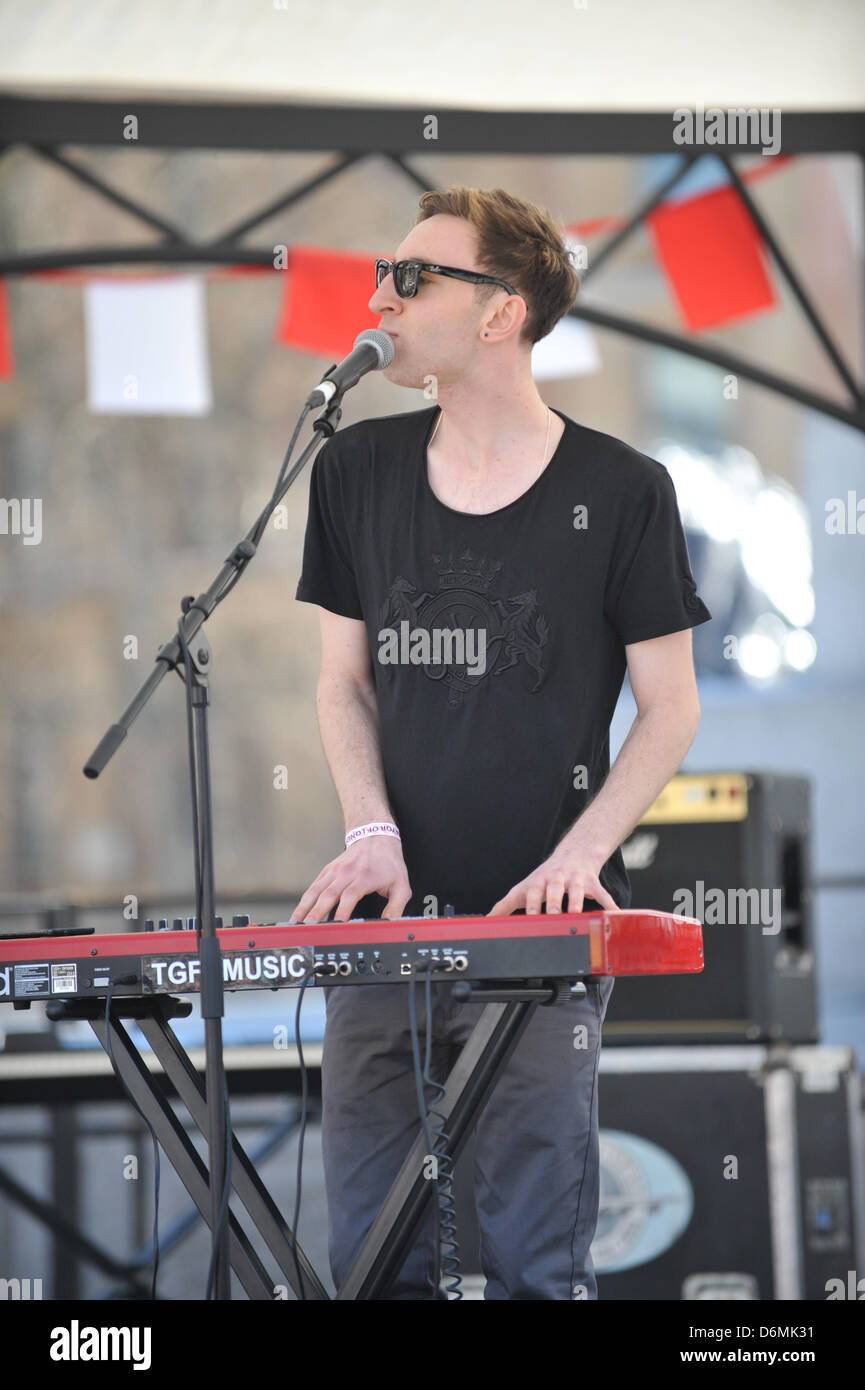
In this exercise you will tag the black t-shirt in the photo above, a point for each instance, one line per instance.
(497, 641)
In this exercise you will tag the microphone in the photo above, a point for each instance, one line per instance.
(373, 350)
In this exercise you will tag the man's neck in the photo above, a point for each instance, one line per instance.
(480, 428)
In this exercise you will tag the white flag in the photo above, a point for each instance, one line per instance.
(147, 347)
(847, 182)
(570, 350)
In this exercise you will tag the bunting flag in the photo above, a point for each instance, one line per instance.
(570, 349)
(146, 335)
(326, 300)
(7, 360)
(147, 347)
(713, 256)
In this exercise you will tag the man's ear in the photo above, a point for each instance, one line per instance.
(514, 311)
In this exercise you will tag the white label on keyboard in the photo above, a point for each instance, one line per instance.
(64, 979)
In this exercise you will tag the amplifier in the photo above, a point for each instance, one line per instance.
(731, 849)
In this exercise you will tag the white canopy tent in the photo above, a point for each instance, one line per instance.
(388, 79)
(489, 55)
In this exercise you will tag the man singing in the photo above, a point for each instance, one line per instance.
(485, 570)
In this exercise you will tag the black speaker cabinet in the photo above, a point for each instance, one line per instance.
(732, 1172)
(732, 850)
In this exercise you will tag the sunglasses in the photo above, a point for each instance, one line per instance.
(406, 276)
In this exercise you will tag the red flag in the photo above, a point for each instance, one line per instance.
(326, 300)
(7, 360)
(713, 256)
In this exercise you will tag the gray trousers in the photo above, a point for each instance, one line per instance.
(536, 1174)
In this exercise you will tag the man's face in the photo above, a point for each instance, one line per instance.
(436, 333)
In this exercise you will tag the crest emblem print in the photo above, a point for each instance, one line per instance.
(515, 627)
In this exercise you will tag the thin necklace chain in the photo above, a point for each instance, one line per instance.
(546, 445)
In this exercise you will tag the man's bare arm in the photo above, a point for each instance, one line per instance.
(661, 672)
(668, 713)
(348, 721)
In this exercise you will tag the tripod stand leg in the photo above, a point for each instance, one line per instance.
(252, 1192)
(179, 1150)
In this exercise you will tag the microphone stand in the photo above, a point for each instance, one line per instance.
(196, 656)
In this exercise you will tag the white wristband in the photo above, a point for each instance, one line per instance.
(377, 827)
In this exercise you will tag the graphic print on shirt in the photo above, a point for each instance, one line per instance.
(460, 633)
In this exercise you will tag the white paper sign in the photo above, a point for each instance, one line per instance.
(147, 347)
(569, 350)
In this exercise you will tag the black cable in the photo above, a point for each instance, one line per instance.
(449, 1244)
(190, 742)
(304, 1095)
(199, 854)
(216, 1235)
(418, 1076)
(281, 475)
(181, 637)
(134, 1102)
(271, 504)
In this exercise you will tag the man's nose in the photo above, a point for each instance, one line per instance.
(384, 294)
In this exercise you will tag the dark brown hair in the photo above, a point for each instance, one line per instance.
(519, 242)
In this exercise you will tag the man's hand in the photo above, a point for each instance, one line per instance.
(569, 869)
(373, 864)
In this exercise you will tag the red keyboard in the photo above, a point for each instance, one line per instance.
(277, 955)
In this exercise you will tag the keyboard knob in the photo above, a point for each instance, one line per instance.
(240, 919)
(177, 923)
(148, 925)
